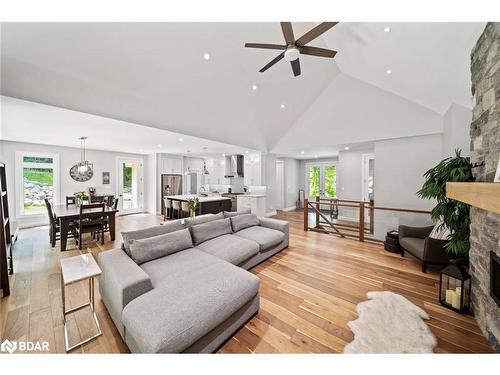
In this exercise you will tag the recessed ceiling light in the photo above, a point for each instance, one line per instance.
(302, 152)
(315, 156)
(388, 71)
(387, 29)
(282, 106)
(159, 145)
(181, 139)
(254, 87)
(346, 148)
(206, 56)
(246, 152)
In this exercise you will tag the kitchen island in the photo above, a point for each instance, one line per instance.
(207, 205)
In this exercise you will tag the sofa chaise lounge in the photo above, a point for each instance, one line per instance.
(183, 286)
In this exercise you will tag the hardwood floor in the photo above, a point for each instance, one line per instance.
(309, 293)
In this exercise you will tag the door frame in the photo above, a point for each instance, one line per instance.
(280, 186)
(321, 165)
(365, 172)
(140, 187)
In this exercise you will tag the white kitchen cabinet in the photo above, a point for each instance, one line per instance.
(256, 203)
(252, 173)
(171, 165)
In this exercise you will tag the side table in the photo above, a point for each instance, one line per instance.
(74, 269)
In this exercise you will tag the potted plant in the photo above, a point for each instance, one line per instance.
(452, 214)
(80, 197)
(192, 205)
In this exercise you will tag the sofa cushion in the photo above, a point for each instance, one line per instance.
(230, 248)
(149, 232)
(236, 213)
(244, 221)
(265, 237)
(203, 219)
(207, 231)
(203, 291)
(147, 249)
(413, 245)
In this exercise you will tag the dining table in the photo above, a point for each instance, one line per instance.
(69, 213)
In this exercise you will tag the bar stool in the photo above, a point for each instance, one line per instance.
(184, 209)
(168, 209)
(176, 209)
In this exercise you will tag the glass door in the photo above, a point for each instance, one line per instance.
(321, 180)
(129, 187)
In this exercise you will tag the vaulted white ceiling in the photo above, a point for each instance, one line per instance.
(154, 75)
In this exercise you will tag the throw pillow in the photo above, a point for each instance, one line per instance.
(237, 213)
(151, 248)
(244, 221)
(149, 232)
(207, 231)
(204, 219)
(439, 233)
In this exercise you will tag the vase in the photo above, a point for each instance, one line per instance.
(192, 214)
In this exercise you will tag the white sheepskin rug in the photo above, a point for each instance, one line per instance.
(389, 323)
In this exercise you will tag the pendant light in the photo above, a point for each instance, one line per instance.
(84, 167)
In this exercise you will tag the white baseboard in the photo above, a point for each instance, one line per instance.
(291, 208)
(271, 213)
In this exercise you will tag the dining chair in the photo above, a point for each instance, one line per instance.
(54, 227)
(70, 200)
(168, 209)
(176, 209)
(90, 222)
(106, 218)
(184, 209)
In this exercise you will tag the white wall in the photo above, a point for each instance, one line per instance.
(103, 161)
(269, 180)
(349, 174)
(151, 183)
(399, 168)
(291, 168)
(456, 128)
(350, 111)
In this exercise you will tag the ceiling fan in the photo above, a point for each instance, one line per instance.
(294, 48)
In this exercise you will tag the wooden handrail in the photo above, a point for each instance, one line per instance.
(361, 206)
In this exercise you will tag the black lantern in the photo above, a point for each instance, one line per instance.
(454, 287)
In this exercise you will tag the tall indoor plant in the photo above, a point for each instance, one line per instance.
(452, 214)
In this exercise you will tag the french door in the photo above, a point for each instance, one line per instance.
(321, 180)
(130, 185)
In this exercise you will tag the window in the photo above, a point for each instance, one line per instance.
(37, 179)
(330, 173)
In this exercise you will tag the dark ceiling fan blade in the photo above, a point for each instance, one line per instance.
(286, 27)
(295, 67)
(264, 45)
(316, 51)
(314, 33)
(273, 61)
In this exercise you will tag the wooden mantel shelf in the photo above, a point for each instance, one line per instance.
(485, 195)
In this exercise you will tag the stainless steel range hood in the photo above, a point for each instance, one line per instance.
(234, 166)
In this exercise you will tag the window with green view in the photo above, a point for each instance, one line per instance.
(314, 181)
(330, 176)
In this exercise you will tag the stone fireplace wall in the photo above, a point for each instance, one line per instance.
(485, 146)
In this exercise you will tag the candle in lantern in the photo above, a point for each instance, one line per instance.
(456, 300)
(449, 296)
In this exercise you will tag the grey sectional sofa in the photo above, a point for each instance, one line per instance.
(183, 286)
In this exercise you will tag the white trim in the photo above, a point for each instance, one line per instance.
(291, 208)
(364, 173)
(140, 161)
(39, 218)
(271, 213)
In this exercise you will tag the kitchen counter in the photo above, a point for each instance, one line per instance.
(207, 205)
(185, 198)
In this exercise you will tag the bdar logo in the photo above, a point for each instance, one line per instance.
(8, 346)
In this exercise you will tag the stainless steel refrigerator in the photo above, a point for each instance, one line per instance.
(171, 184)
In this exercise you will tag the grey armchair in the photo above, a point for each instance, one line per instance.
(417, 242)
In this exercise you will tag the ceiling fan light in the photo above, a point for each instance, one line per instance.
(292, 54)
